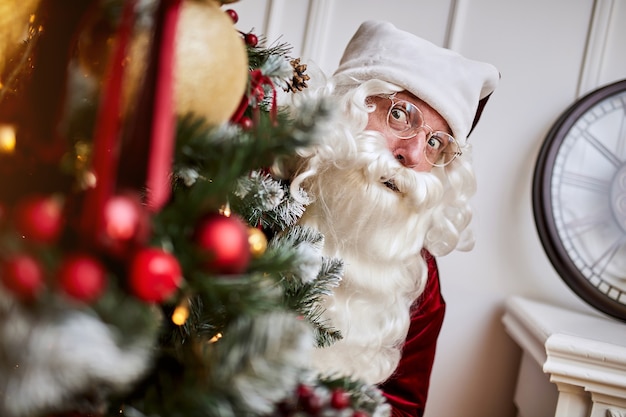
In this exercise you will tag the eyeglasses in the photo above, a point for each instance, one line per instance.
(405, 120)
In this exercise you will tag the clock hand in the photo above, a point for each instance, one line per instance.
(582, 225)
(610, 156)
(585, 181)
(608, 255)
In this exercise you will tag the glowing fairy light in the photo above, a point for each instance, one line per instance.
(181, 313)
(7, 138)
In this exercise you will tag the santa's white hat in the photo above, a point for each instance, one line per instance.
(456, 87)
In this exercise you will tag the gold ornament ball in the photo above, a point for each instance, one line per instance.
(257, 241)
(210, 60)
(211, 69)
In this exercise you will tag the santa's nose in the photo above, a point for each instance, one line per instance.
(410, 152)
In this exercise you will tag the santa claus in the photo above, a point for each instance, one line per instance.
(390, 190)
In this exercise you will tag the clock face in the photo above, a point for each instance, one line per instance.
(579, 198)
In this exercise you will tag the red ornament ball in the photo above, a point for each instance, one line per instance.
(82, 277)
(339, 399)
(224, 240)
(308, 400)
(233, 15)
(23, 275)
(251, 39)
(125, 224)
(39, 218)
(246, 123)
(154, 275)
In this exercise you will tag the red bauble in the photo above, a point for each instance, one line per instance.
(82, 277)
(23, 276)
(225, 242)
(125, 225)
(39, 218)
(246, 123)
(154, 274)
(308, 400)
(339, 399)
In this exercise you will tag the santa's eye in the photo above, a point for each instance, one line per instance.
(399, 116)
(436, 142)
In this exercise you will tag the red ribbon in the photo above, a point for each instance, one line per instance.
(163, 120)
(107, 130)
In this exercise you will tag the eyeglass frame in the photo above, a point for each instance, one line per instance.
(430, 132)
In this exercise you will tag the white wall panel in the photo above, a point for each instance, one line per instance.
(539, 54)
(252, 15)
(425, 18)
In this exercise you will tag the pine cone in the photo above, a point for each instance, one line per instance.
(299, 79)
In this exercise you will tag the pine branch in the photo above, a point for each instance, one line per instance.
(313, 277)
(257, 56)
(217, 302)
(263, 200)
(305, 298)
(364, 397)
(255, 364)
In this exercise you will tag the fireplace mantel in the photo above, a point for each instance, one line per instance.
(573, 363)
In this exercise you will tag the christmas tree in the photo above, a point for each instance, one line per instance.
(150, 264)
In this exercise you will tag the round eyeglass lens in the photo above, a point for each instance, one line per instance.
(404, 119)
(441, 149)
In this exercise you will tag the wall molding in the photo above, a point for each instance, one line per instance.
(273, 18)
(599, 28)
(316, 33)
(453, 31)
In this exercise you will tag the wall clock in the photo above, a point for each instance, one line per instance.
(579, 198)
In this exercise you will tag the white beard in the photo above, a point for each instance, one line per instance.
(379, 233)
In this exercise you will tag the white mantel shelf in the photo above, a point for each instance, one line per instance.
(573, 363)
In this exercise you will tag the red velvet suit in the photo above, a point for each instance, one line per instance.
(407, 389)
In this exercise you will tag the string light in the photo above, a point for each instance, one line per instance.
(181, 313)
(257, 241)
(215, 338)
(225, 210)
(7, 138)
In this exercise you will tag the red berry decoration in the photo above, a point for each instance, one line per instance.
(23, 276)
(39, 218)
(339, 399)
(82, 277)
(233, 15)
(224, 240)
(154, 275)
(360, 414)
(251, 39)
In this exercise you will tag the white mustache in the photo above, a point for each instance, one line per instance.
(379, 165)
